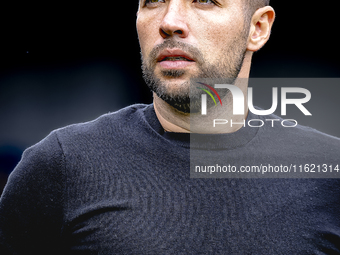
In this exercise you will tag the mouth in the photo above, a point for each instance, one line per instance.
(174, 59)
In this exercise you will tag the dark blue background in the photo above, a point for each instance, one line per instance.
(65, 64)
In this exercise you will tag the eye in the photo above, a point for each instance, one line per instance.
(151, 3)
(207, 2)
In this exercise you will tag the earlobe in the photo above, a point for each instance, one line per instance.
(260, 28)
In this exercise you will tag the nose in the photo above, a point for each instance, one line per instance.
(173, 23)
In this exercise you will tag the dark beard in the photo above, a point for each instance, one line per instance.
(186, 97)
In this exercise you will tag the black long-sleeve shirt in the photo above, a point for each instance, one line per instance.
(121, 185)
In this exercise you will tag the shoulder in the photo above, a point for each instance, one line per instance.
(104, 122)
(298, 140)
(32, 201)
(315, 136)
(99, 142)
(69, 142)
(308, 135)
(40, 159)
(110, 125)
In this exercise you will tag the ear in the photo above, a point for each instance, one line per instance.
(260, 28)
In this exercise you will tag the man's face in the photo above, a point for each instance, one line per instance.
(185, 39)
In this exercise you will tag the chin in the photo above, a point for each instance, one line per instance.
(176, 84)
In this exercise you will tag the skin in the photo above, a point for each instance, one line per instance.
(208, 27)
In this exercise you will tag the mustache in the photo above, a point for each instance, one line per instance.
(170, 44)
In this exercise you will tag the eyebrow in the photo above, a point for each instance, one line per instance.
(215, 1)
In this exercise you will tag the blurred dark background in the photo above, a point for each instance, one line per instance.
(65, 64)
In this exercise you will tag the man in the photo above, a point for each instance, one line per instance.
(121, 183)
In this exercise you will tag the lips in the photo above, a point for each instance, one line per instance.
(174, 59)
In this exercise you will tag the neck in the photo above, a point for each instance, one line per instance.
(173, 120)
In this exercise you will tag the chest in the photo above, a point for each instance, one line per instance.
(203, 217)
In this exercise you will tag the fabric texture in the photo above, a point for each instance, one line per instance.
(121, 185)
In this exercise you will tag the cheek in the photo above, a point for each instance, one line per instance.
(140, 24)
(147, 33)
(216, 32)
(218, 37)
